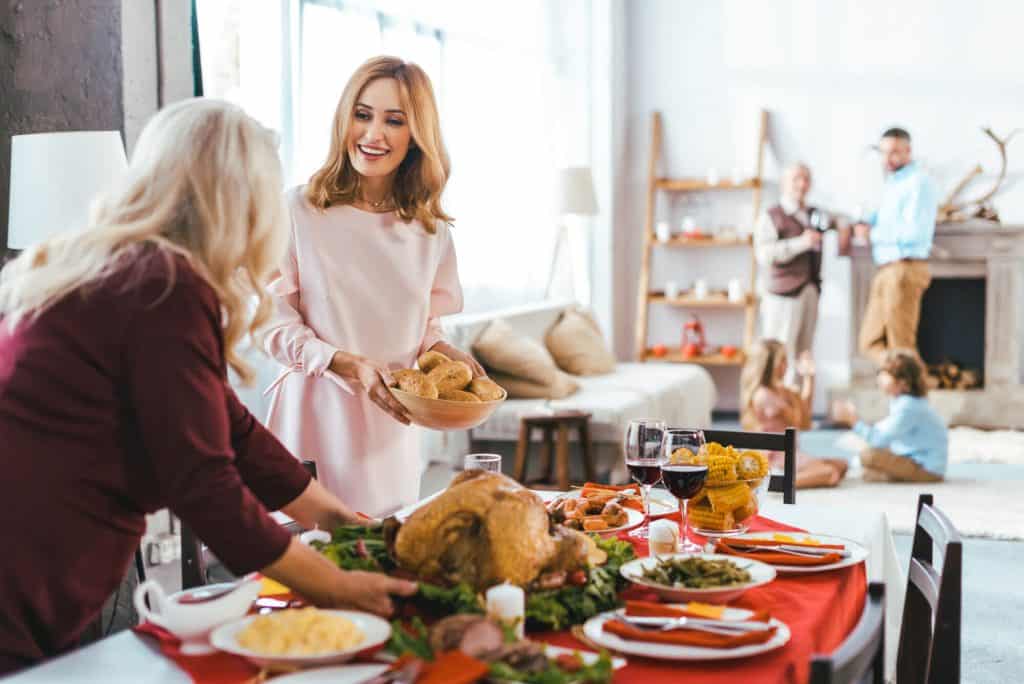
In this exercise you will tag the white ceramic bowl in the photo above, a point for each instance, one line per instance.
(442, 414)
(760, 574)
(375, 630)
(192, 622)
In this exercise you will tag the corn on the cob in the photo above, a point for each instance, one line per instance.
(701, 497)
(681, 455)
(721, 468)
(704, 518)
(744, 512)
(714, 448)
(752, 465)
(729, 497)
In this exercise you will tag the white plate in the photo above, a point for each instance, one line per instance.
(858, 553)
(662, 501)
(594, 630)
(376, 632)
(760, 574)
(338, 674)
(354, 674)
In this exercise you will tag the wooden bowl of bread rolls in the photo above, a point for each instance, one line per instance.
(442, 394)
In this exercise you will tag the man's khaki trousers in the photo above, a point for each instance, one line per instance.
(894, 308)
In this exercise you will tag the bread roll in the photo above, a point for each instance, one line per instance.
(451, 375)
(458, 395)
(415, 382)
(486, 389)
(429, 360)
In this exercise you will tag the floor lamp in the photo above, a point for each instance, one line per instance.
(575, 198)
(54, 179)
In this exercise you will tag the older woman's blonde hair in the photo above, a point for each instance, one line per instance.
(423, 173)
(759, 371)
(204, 182)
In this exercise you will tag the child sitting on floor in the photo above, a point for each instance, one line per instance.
(911, 443)
(768, 405)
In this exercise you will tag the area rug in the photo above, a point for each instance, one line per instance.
(989, 508)
(966, 445)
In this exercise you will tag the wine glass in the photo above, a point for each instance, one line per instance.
(684, 480)
(642, 449)
(489, 462)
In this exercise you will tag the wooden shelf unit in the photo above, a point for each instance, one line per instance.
(705, 360)
(646, 296)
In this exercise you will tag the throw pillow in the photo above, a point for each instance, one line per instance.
(577, 345)
(519, 388)
(500, 348)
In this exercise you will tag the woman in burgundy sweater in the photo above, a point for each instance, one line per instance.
(114, 398)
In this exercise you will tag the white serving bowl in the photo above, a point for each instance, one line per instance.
(192, 622)
(760, 574)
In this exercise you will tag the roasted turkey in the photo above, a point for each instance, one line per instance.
(485, 529)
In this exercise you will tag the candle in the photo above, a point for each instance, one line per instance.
(506, 603)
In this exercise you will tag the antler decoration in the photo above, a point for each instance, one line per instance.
(948, 211)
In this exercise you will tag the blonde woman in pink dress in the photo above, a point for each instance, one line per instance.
(370, 270)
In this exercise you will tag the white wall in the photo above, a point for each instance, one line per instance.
(833, 75)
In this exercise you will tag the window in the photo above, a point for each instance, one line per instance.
(511, 83)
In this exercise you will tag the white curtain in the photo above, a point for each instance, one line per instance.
(512, 85)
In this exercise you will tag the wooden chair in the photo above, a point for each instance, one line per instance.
(929, 648)
(766, 441)
(863, 652)
(194, 567)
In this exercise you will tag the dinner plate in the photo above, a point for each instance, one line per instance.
(375, 630)
(858, 552)
(355, 674)
(760, 574)
(662, 501)
(593, 629)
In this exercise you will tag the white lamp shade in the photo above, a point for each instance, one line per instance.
(576, 191)
(54, 179)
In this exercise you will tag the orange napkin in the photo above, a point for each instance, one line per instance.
(790, 542)
(780, 558)
(450, 667)
(653, 609)
(687, 637)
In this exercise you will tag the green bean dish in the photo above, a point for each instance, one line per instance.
(696, 573)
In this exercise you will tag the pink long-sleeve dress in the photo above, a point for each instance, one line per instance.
(371, 285)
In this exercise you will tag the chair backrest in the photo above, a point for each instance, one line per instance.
(861, 658)
(766, 441)
(929, 648)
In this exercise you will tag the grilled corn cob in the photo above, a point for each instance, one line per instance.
(729, 497)
(721, 468)
(752, 465)
(707, 519)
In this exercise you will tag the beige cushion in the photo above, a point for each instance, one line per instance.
(520, 388)
(576, 344)
(502, 349)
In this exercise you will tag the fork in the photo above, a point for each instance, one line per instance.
(669, 624)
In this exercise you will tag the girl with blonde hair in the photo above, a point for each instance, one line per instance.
(370, 270)
(768, 405)
(115, 344)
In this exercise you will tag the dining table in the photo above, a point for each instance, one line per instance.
(820, 610)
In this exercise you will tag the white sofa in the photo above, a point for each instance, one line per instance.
(679, 394)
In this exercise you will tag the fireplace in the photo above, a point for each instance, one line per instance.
(972, 316)
(951, 334)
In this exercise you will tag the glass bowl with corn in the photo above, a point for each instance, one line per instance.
(730, 498)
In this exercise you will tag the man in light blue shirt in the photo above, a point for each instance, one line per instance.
(900, 233)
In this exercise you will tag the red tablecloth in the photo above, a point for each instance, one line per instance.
(820, 609)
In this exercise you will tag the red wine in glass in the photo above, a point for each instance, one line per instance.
(645, 471)
(684, 481)
(641, 447)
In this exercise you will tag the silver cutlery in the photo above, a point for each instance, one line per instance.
(805, 551)
(723, 627)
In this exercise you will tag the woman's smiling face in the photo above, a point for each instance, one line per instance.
(379, 135)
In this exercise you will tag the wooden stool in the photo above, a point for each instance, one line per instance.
(548, 424)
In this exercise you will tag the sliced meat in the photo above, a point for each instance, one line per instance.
(474, 635)
(526, 656)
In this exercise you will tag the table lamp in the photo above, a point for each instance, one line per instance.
(54, 179)
(575, 198)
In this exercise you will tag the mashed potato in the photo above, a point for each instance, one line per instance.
(303, 631)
